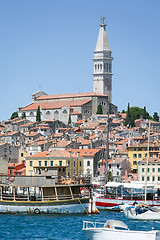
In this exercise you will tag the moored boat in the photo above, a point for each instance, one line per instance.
(113, 229)
(44, 199)
(142, 212)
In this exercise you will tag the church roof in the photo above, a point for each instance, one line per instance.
(69, 95)
(102, 42)
(54, 105)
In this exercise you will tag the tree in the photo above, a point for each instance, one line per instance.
(69, 120)
(14, 115)
(134, 113)
(145, 115)
(110, 177)
(123, 111)
(155, 117)
(99, 110)
(23, 115)
(38, 115)
(127, 120)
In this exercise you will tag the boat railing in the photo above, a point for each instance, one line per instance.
(11, 197)
(87, 224)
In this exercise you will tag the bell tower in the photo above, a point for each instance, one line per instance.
(102, 73)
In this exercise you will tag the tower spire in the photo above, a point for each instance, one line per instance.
(103, 63)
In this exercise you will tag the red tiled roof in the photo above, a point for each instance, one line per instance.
(69, 95)
(54, 105)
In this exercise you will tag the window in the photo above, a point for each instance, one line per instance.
(48, 112)
(139, 149)
(86, 111)
(39, 163)
(139, 155)
(30, 172)
(135, 155)
(68, 173)
(109, 165)
(148, 169)
(142, 169)
(158, 178)
(45, 163)
(145, 154)
(74, 163)
(21, 154)
(88, 163)
(134, 149)
(80, 163)
(153, 178)
(11, 171)
(153, 169)
(51, 163)
(30, 163)
(68, 163)
(117, 173)
(147, 178)
(134, 162)
(102, 103)
(151, 155)
(142, 178)
(158, 169)
(60, 163)
(117, 165)
(65, 111)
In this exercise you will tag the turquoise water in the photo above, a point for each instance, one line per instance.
(59, 227)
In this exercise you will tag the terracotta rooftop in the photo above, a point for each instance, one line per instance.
(54, 105)
(69, 95)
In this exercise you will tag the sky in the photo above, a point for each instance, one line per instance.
(49, 45)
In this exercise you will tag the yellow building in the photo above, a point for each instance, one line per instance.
(135, 154)
(46, 163)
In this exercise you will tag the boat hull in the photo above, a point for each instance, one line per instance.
(60, 206)
(110, 234)
(114, 203)
(149, 215)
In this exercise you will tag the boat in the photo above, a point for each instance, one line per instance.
(118, 194)
(44, 199)
(113, 229)
(142, 212)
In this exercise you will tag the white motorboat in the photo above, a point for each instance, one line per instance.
(114, 229)
(142, 212)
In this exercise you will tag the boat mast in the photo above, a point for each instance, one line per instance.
(147, 160)
(107, 149)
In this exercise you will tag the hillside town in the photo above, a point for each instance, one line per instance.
(78, 150)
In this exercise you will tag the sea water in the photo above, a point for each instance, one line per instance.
(60, 227)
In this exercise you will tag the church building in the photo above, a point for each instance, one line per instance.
(79, 105)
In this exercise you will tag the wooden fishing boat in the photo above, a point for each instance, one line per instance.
(44, 199)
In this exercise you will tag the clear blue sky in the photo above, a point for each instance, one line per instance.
(49, 44)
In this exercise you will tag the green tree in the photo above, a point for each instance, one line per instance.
(110, 177)
(155, 117)
(99, 109)
(14, 115)
(69, 120)
(145, 114)
(123, 111)
(134, 113)
(38, 115)
(127, 120)
(23, 115)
